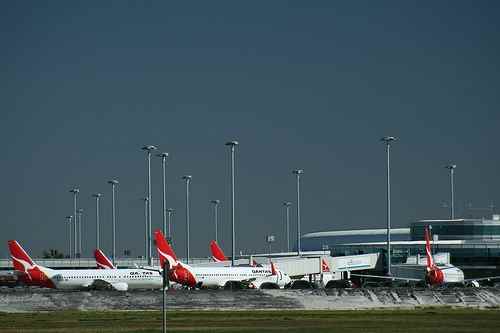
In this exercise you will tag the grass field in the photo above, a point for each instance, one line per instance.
(439, 320)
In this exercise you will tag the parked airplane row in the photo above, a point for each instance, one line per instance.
(436, 274)
(106, 275)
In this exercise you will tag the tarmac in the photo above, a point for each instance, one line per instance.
(39, 299)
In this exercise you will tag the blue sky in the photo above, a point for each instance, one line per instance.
(311, 85)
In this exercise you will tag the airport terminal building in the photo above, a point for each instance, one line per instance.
(473, 244)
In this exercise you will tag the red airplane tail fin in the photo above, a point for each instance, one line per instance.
(20, 259)
(428, 252)
(324, 266)
(165, 252)
(217, 253)
(102, 261)
(274, 271)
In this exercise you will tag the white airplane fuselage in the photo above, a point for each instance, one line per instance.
(219, 276)
(120, 279)
(451, 274)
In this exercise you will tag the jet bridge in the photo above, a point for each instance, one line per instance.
(312, 265)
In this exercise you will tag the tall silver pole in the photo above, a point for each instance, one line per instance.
(75, 194)
(146, 228)
(70, 234)
(113, 183)
(287, 205)
(388, 140)
(80, 214)
(298, 172)
(188, 180)
(170, 238)
(216, 208)
(97, 224)
(163, 166)
(148, 149)
(232, 144)
(452, 167)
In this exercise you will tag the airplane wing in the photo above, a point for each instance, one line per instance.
(152, 269)
(100, 284)
(120, 286)
(392, 278)
(488, 278)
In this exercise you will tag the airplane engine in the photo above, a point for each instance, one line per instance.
(435, 277)
(269, 285)
(183, 276)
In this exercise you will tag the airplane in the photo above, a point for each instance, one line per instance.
(219, 256)
(119, 279)
(217, 253)
(440, 274)
(217, 277)
(436, 274)
(102, 261)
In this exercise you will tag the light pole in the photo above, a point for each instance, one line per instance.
(75, 192)
(145, 227)
(80, 214)
(188, 181)
(69, 217)
(163, 167)
(216, 208)
(387, 140)
(113, 183)
(97, 196)
(148, 150)
(287, 205)
(170, 212)
(270, 240)
(452, 168)
(298, 172)
(232, 144)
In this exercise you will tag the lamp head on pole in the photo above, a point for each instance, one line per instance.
(97, 195)
(287, 203)
(187, 178)
(113, 182)
(298, 171)
(69, 217)
(163, 155)
(75, 190)
(149, 148)
(232, 143)
(215, 202)
(170, 210)
(388, 139)
(450, 166)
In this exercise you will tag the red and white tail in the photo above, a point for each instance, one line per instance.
(428, 252)
(165, 252)
(217, 253)
(324, 266)
(274, 271)
(20, 259)
(102, 261)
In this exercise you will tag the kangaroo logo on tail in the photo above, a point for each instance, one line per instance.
(103, 261)
(32, 273)
(430, 260)
(324, 266)
(274, 271)
(165, 252)
(20, 259)
(217, 253)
